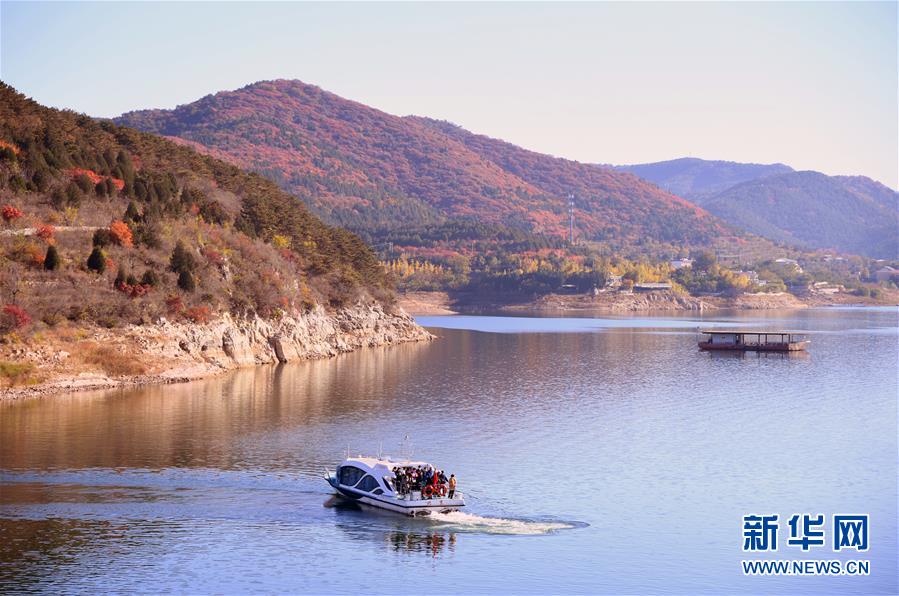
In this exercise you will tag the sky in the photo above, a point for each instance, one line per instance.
(813, 85)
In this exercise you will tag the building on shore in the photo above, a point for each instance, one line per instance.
(789, 263)
(613, 281)
(753, 277)
(680, 263)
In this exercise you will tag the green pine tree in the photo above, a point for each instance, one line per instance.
(186, 281)
(97, 260)
(51, 260)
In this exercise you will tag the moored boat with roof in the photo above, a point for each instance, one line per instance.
(758, 341)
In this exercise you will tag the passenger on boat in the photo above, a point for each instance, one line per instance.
(424, 480)
(452, 485)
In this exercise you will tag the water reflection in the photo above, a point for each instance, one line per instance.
(216, 486)
(200, 423)
(400, 533)
(737, 355)
(430, 543)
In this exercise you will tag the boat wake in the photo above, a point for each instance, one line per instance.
(466, 522)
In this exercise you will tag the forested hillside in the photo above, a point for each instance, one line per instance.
(361, 167)
(812, 210)
(108, 224)
(806, 209)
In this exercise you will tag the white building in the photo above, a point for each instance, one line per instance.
(680, 263)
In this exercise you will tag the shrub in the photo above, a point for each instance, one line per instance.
(34, 255)
(131, 213)
(150, 278)
(102, 238)
(15, 373)
(13, 317)
(281, 241)
(198, 314)
(121, 233)
(148, 234)
(97, 260)
(10, 213)
(181, 260)
(58, 198)
(186, 281)
(73, 195)
(112, 361)
(45, 232)
(213, 212)
(51, 259)
(84, 182)
(213, 256)
(174, 304)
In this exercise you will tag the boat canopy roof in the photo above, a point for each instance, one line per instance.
(748, 332)
(384, 465)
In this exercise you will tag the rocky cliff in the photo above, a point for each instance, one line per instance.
(169, 352)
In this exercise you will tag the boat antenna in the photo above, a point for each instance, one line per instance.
(406, 448)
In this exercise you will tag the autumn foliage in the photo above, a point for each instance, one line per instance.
(10, 213)
(94, 177)
(366, 169)
(198, 314)
(121, 233)
(13, 317)
(45, 232)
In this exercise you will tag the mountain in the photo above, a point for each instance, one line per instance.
(696, 179)
(808, 209)
(108, 224)
(375, 172)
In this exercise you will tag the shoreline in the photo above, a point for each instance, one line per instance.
(443, 303)
(88, 359)
(91, 359)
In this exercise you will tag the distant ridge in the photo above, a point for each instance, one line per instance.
(695, 178)
(806, 209)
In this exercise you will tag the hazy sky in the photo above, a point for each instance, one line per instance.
(813, 85)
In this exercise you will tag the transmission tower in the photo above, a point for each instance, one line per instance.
(571, 219)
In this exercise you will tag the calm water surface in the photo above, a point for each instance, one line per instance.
(597, 455)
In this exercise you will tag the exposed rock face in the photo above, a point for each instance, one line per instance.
(178, 351)
(229, 342)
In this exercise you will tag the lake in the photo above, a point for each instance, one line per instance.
(596, 455)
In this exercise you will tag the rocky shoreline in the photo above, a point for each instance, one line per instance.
(172, 352)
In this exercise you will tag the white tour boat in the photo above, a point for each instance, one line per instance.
(371, 480)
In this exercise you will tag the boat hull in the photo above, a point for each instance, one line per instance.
(410, 507)
(796, 346)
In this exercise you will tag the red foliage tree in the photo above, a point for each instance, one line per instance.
(45, 232)
(13, 317)
(10, 213)
(121, 233)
